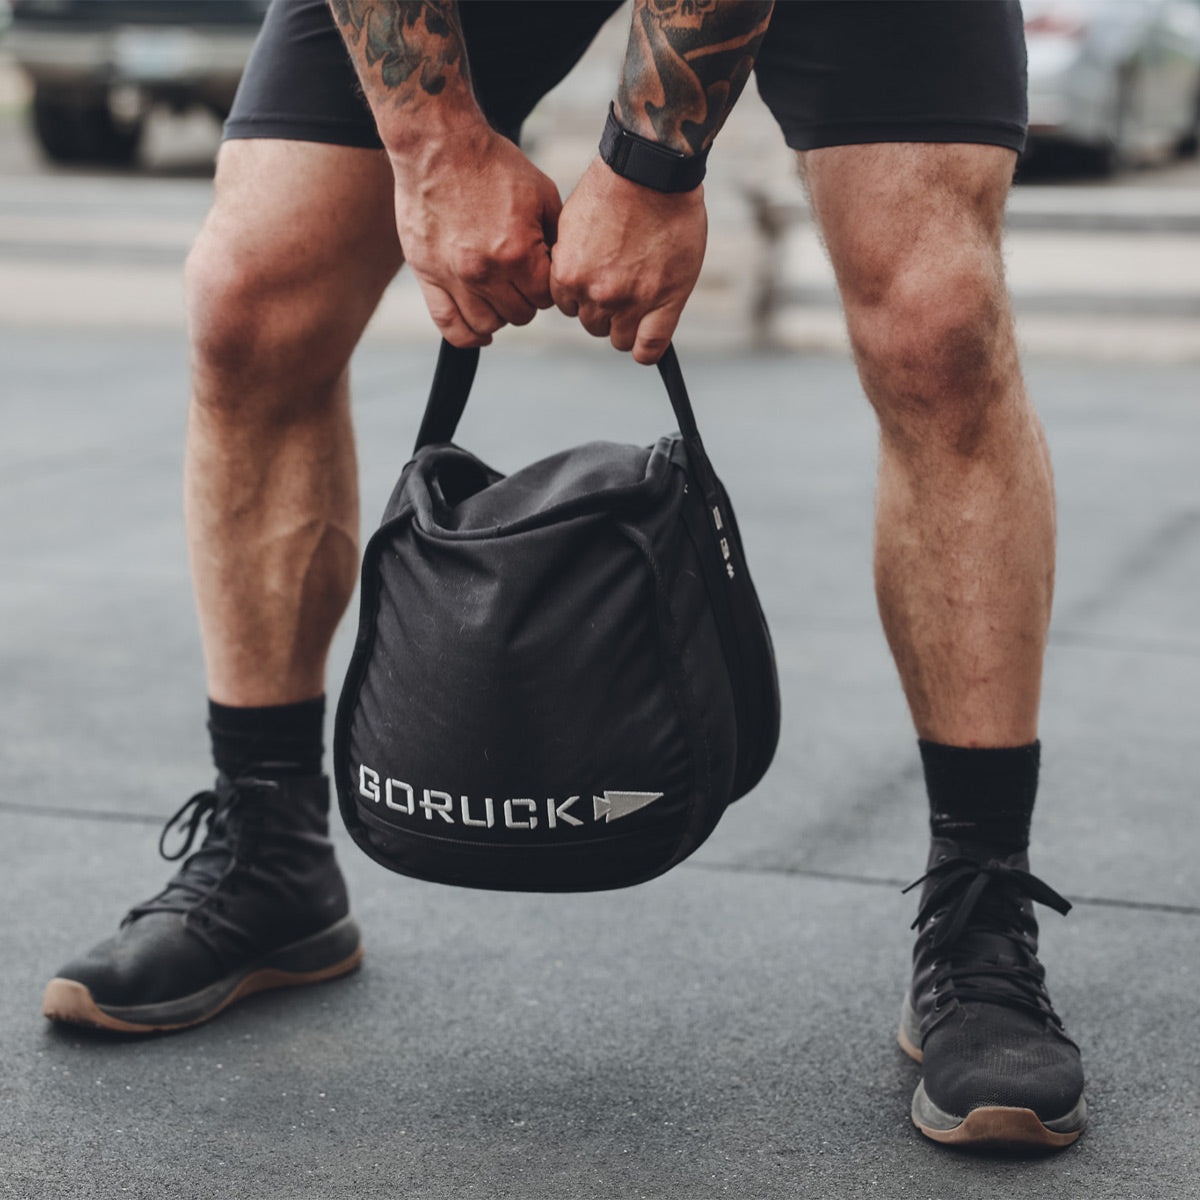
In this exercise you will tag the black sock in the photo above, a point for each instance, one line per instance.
(981, 796)
(268, 743)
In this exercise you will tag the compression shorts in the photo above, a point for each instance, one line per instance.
(833, 72)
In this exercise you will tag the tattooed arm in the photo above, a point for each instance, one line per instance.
(687, 63)
(474, 216)
(628, 257)
(412, 61)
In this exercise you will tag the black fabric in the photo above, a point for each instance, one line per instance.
(835, 73)
(996, 1056)
(648, 163)
(832, 73)
(271, 742)
(981, 796)
(562, 676)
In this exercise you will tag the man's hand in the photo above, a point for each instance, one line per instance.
(627, 258)
(476, 219)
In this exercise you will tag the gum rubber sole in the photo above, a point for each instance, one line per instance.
(906, 1043)
(994, 1128)
(68, 1001)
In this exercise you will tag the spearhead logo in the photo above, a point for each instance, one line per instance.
(612, 806)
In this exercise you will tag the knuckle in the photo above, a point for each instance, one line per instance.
(564, 280)
(608, 294)
(473, 268)
(512, 255)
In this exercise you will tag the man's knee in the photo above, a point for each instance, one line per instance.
(934, 344)
(258, 327)
(286, 272)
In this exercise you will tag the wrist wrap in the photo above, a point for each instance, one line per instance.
(642, 161)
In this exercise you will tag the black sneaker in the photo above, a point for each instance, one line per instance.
(999, 1070)
(261, 904)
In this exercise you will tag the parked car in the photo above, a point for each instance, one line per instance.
(98, 66)
(1114, 81)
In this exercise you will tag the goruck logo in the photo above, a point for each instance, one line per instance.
(485, 812)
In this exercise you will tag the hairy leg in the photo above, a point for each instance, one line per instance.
(282, 280)
(964, 550)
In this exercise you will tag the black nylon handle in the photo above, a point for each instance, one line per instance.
(452, 379)
(455, 372)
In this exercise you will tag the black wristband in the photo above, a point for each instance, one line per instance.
(643, 161)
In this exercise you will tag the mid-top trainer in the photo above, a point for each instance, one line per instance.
(261, 904)
(999, 1069)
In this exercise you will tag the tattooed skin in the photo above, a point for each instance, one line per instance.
(686, 65)
(403, 40)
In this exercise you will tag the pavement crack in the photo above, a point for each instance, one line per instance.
(883, 881)
(86, 814)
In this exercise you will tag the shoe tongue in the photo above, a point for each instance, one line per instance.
(987, 946)
(946, 848)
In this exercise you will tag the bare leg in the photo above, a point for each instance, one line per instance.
(964, 553)
(283, 278)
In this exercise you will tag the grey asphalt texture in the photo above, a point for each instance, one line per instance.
(727, 1030)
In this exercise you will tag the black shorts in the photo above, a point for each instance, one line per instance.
(833, 72)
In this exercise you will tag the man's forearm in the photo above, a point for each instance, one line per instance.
(687, 63)
(412, 61)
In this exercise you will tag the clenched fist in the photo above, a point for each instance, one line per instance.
(627, 258)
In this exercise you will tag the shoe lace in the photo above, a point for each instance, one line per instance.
(198, 881)
(202, 806)
(973, 916)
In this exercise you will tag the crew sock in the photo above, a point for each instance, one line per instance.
(983, 797)
(272, 742)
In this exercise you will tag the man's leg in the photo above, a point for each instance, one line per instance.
(283, 278)
(964, 565)
(964, 551)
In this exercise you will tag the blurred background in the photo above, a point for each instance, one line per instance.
(110, 116)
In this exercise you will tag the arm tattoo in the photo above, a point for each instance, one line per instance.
(686, 65)
(416, 46)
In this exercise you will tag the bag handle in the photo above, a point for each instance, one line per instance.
(455, 372)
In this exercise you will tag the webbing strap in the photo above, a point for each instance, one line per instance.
(455, 373)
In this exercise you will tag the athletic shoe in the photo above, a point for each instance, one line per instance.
(999, 1069)
(261, 904)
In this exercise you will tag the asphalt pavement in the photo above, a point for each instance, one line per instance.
(727, 1030)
